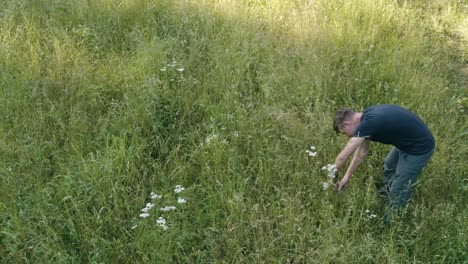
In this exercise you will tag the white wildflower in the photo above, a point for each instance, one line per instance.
(144, 215)
(178, 189)
(325, 185)
(161, 221)
(168, 208)
(211, 138)
(181, 200)
(311, 151)
(155, 196)
(331, 168)
(370, 215)
(163, 69)
(148, 207)
(180, 69)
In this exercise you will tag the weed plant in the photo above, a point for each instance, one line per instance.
(106, 102)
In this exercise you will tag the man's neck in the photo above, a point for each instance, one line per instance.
(357, 117)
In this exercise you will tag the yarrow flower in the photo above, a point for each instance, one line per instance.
(370, 215)
(311, 151)
(178, 189)
(211, 138)
(168, 208)
(331, 168)
(148, 207)
(325, 185)
(172, 65)
(145, 212)
(162, 223)
(144, 215)
(155, 196)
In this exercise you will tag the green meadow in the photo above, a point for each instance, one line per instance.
(106, 103)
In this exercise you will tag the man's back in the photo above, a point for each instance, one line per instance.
(392, 124)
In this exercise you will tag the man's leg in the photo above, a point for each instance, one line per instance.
(408, 169)
(390, 166)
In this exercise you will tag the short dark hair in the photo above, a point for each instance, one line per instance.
(341, 115)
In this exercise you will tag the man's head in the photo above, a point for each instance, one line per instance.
(346, 121)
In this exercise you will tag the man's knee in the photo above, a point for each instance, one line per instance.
(391, 160)
(400, 195)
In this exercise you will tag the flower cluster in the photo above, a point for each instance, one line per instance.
(155, 196)
(178, 189)
(168, 208)
(311, 151)
(325, 185)
(331, 169)
(145, 210)
(370, 215)
(172, 65)
(149, 206)
(162, 223)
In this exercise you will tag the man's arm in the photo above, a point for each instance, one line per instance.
(359, 155)
(350, 147)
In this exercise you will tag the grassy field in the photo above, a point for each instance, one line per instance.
(104, 102)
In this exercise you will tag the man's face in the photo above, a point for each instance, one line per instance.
(348, 128)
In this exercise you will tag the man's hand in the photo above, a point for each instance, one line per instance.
(341, 185)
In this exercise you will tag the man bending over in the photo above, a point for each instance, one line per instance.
(413, 145)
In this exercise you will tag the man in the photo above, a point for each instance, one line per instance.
(413, 145)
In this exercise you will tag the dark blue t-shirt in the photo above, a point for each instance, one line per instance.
(392, 124)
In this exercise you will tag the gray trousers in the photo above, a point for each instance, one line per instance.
(400, 173)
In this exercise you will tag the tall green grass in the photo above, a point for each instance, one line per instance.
(103, 102)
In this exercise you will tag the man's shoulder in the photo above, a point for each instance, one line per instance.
(383, 110)
(383, 107)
